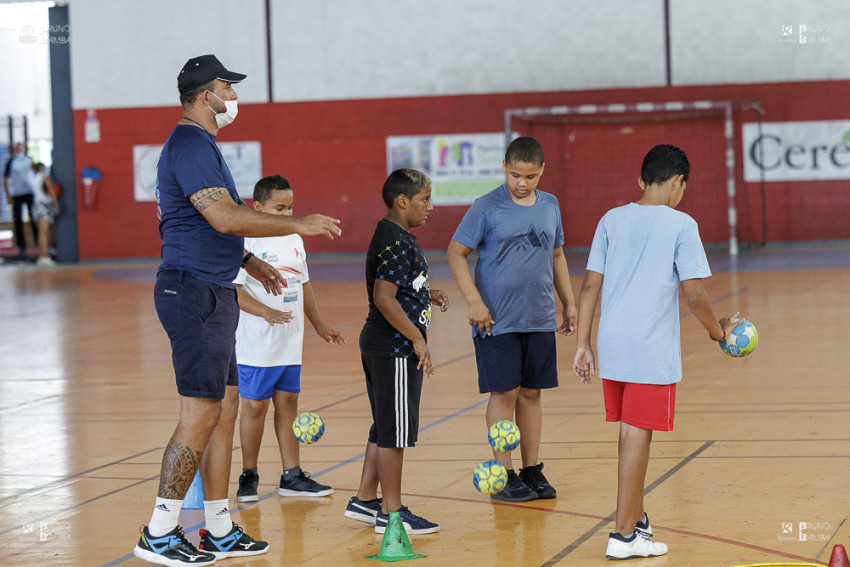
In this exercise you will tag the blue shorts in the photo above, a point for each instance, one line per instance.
(259, 383)
(200, 319)
(510, 360)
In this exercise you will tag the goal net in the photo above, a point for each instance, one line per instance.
(594, 155)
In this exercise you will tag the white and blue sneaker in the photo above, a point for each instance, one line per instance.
(236, 543)
(413, 524)
(171, 549)
(644, 526)
(363, 510)
(633, 546)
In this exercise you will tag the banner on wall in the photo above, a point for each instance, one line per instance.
(797, 151)
(462, 167)
(243, 159)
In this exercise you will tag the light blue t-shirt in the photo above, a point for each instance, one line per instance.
(514, 272)
(643, 252)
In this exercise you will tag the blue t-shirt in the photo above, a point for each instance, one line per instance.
(514, 272)
(643, 252)
(394, 255)
(190, 161)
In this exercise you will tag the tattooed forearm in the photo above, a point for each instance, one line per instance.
(179, 464)
(208, 196)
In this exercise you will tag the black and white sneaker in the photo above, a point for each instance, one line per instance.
(300, 484)
(644, 526)
(413, 524)
(248, 483)
(236, 543)
(533, 478)
(171, 549)
(363, 510)
(515, 491)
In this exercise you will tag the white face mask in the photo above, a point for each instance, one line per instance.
(222, 119)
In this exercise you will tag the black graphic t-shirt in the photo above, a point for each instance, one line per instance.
(394, 255)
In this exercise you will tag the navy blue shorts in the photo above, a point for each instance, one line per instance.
(510, 360)
(394, 386)
(200, 319)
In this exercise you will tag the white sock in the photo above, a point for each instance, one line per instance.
(166, 514)
(217, 515)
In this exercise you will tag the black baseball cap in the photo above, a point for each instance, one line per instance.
(201, 70)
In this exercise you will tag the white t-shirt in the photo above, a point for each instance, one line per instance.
(257, 342)
(643, 252)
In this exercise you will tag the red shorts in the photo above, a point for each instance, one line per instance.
(648, 406)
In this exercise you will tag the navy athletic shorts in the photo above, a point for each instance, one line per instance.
(200, 319)
(510, 360)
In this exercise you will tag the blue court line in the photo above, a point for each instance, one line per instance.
(338, 465)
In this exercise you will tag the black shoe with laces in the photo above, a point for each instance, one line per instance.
(171, 549)
(533, 478)
(300, 484)
(248, 482)
(236, 543)
(515, 491)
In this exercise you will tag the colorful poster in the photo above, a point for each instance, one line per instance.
(462, 167)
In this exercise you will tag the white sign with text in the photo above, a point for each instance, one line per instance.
(797, 151)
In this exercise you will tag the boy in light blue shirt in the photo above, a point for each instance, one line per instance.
(641, 253)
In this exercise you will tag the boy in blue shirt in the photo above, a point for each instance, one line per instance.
(640, 255)
(517, 230)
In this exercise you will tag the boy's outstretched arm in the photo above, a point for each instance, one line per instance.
(697, 301)
(249, 304)
(311, 311)
(479, 315)
(564, 290)
(584, 365)
(384, 297)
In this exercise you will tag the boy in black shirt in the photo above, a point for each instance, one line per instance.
(393, 349)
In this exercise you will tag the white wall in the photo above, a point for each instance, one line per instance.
(742, 41)
(338, 49)
(128, 53)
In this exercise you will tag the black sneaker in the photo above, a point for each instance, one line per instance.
(235, 544)
(248, 482)
(515, 491)
(171, 549)
(363, 510)
(533, 478)
(300, 484)
(644, 526)
(413, 524)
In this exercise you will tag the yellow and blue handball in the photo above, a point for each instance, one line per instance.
(741, 341)
(308, 427)
(503, 436)
(490, 477)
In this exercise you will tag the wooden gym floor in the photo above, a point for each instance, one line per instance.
(756, 471)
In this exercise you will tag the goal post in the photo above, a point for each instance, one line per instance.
(704, 129)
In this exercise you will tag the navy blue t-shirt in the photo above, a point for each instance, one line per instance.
(394, 255)
(190, 161)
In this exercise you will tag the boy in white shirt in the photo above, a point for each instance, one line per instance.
(269, 342)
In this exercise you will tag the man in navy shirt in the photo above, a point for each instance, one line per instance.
(202, 225)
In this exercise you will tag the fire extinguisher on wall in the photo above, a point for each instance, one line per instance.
(90, 178)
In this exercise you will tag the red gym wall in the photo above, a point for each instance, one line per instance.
(334, 154)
